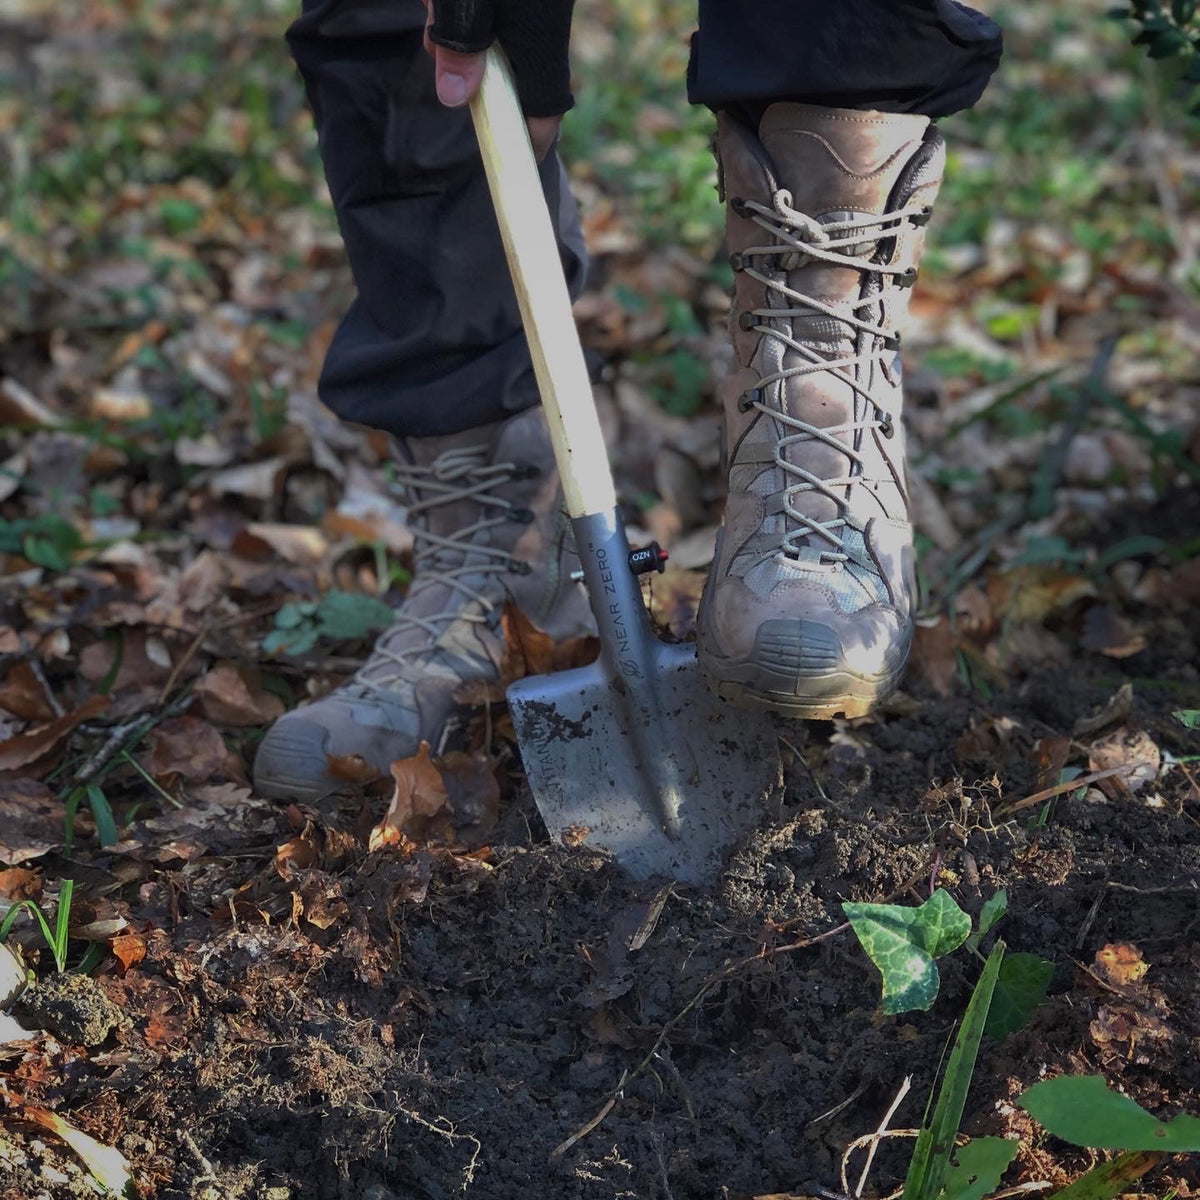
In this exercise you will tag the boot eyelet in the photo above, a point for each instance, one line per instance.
(739, 206)
(737, 261)
(887, 428)
(922, 218)
(747, 321)
(892, 341)
(907, 277)
(519, 567)
(747, 400)
(523, 516)
(525, 471)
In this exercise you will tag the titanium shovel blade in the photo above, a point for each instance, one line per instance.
(635, 754)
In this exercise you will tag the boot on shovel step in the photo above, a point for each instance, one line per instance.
(808, 609)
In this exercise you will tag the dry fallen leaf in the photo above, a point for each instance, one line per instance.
(1121, 963)
(106, 1164)
(22, 695)
(527, 649)
(1033, 593)
(129, 949)
(301, 544)
(186, 748)
(1105, 632)
(934, 658)
(19, 883)
(419, 796)
(31, 821)
(351, 768)
(1117, 708)
(1049, 756)
(1125, 747)
(231, 694)
(28, 748)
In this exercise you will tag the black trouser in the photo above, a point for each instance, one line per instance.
(433, 344)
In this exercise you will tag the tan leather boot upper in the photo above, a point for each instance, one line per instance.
(808, 608)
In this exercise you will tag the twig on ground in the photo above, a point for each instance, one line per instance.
(447, 1130)
(210, 1174)
(1006, 810)
(877, 1137)
(808, 770)
(663, 1177)
(664, 1057)
(1022, 1189)
(866, 1139)
(837, 1108)
(584, 1130)
(40, 675)
(1086, 927)
(120, 735)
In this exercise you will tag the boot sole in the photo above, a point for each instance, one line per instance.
(827, 695)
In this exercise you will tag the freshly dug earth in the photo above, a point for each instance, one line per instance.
(430, 1026)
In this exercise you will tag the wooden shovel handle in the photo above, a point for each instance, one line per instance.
(533, 260)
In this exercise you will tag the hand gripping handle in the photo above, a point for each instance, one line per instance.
(537, 274)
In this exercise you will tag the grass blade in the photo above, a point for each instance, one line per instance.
(1112, 1178)
(102, 813)
(935, 1143)
(58, 945)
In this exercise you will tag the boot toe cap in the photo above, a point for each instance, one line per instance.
(292, 763)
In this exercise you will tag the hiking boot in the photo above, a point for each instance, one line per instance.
(808, 609)
(488, 524)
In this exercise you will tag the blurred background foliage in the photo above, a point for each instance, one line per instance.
(168, 240)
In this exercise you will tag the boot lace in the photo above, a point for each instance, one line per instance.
(447, 560)
(800, 238)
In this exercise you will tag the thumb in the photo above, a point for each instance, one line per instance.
(457, 75)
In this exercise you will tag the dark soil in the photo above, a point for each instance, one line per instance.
(454, 1022)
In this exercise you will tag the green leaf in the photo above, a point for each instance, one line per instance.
(931, 1157)
(1084, 1110)
(351, 616)
(289, 616)
(1189, 718)
(290, 641)
(1020, 988)
(992, 911)
(903, 942)
(975, 1168)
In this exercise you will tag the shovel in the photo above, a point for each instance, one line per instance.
(634, 754)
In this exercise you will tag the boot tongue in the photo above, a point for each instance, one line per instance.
(838, 164)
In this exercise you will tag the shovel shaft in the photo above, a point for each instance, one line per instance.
(635, 662)
(533, 260)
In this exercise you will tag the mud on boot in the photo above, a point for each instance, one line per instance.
(808, 608)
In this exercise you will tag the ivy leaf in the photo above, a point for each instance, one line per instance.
(903, 942)
(1084, 1110)
(1020, 988)
(992, 911)
(1189, 718)
(976, 1168)
(351, 616)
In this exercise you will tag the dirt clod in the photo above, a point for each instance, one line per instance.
(71, 1007)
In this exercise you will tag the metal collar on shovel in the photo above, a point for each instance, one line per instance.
(634, 752)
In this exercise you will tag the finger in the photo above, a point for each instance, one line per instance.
(457, 75)
(542, 133)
